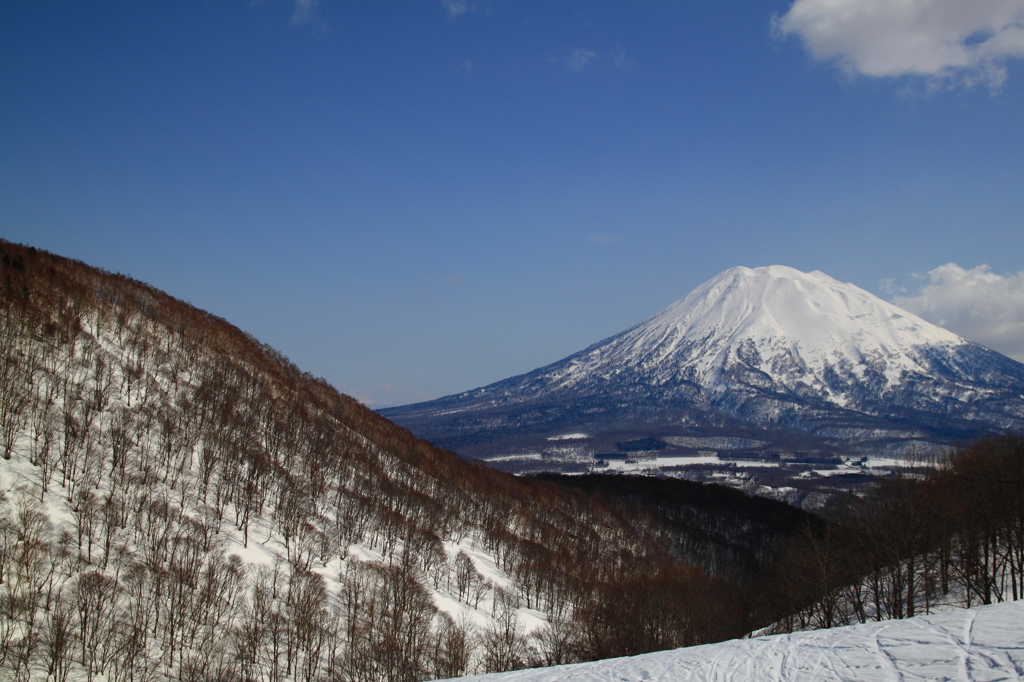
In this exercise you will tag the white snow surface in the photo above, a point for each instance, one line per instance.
(569, 436)
(799, 323)
(973, 645)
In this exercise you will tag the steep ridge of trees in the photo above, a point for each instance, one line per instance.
(953, 535)
(182, 501)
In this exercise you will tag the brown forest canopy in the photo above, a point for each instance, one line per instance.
(162, 432)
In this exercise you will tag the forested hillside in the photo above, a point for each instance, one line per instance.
(953, 537)
(939, 535)
(181, 500)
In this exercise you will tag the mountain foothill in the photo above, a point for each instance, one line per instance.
(181, 501)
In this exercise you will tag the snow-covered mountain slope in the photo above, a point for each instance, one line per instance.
(799, 354)
(985, 643)
(792, 327)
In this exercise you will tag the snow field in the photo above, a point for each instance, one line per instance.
(982, 644)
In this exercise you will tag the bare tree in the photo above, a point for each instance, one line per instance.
(504, 642)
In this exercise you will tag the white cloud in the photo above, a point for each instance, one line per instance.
(964, 42)
(458, 7)
(977, 304)
(579, 59)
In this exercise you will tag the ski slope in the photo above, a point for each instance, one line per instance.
(974, 645)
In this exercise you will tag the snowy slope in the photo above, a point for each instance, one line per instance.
(985, 643)
(769, 348)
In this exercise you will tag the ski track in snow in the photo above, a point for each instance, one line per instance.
(982, 644)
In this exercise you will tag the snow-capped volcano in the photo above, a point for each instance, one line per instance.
(764, 348)
(794, 328)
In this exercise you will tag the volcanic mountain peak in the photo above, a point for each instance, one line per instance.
(789, 325)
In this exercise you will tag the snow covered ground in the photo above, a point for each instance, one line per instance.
(974, 645)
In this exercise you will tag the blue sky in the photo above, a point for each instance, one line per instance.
(414, 198)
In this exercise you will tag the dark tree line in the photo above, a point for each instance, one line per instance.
(951, 533)
(726, 532)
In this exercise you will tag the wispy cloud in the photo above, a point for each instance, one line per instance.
(305, 11)
(453, 279)
(579, 59)
(954, 42)
(977, 304)
(307, 14)
(599, 238)
(457, 8)
(621, 60)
